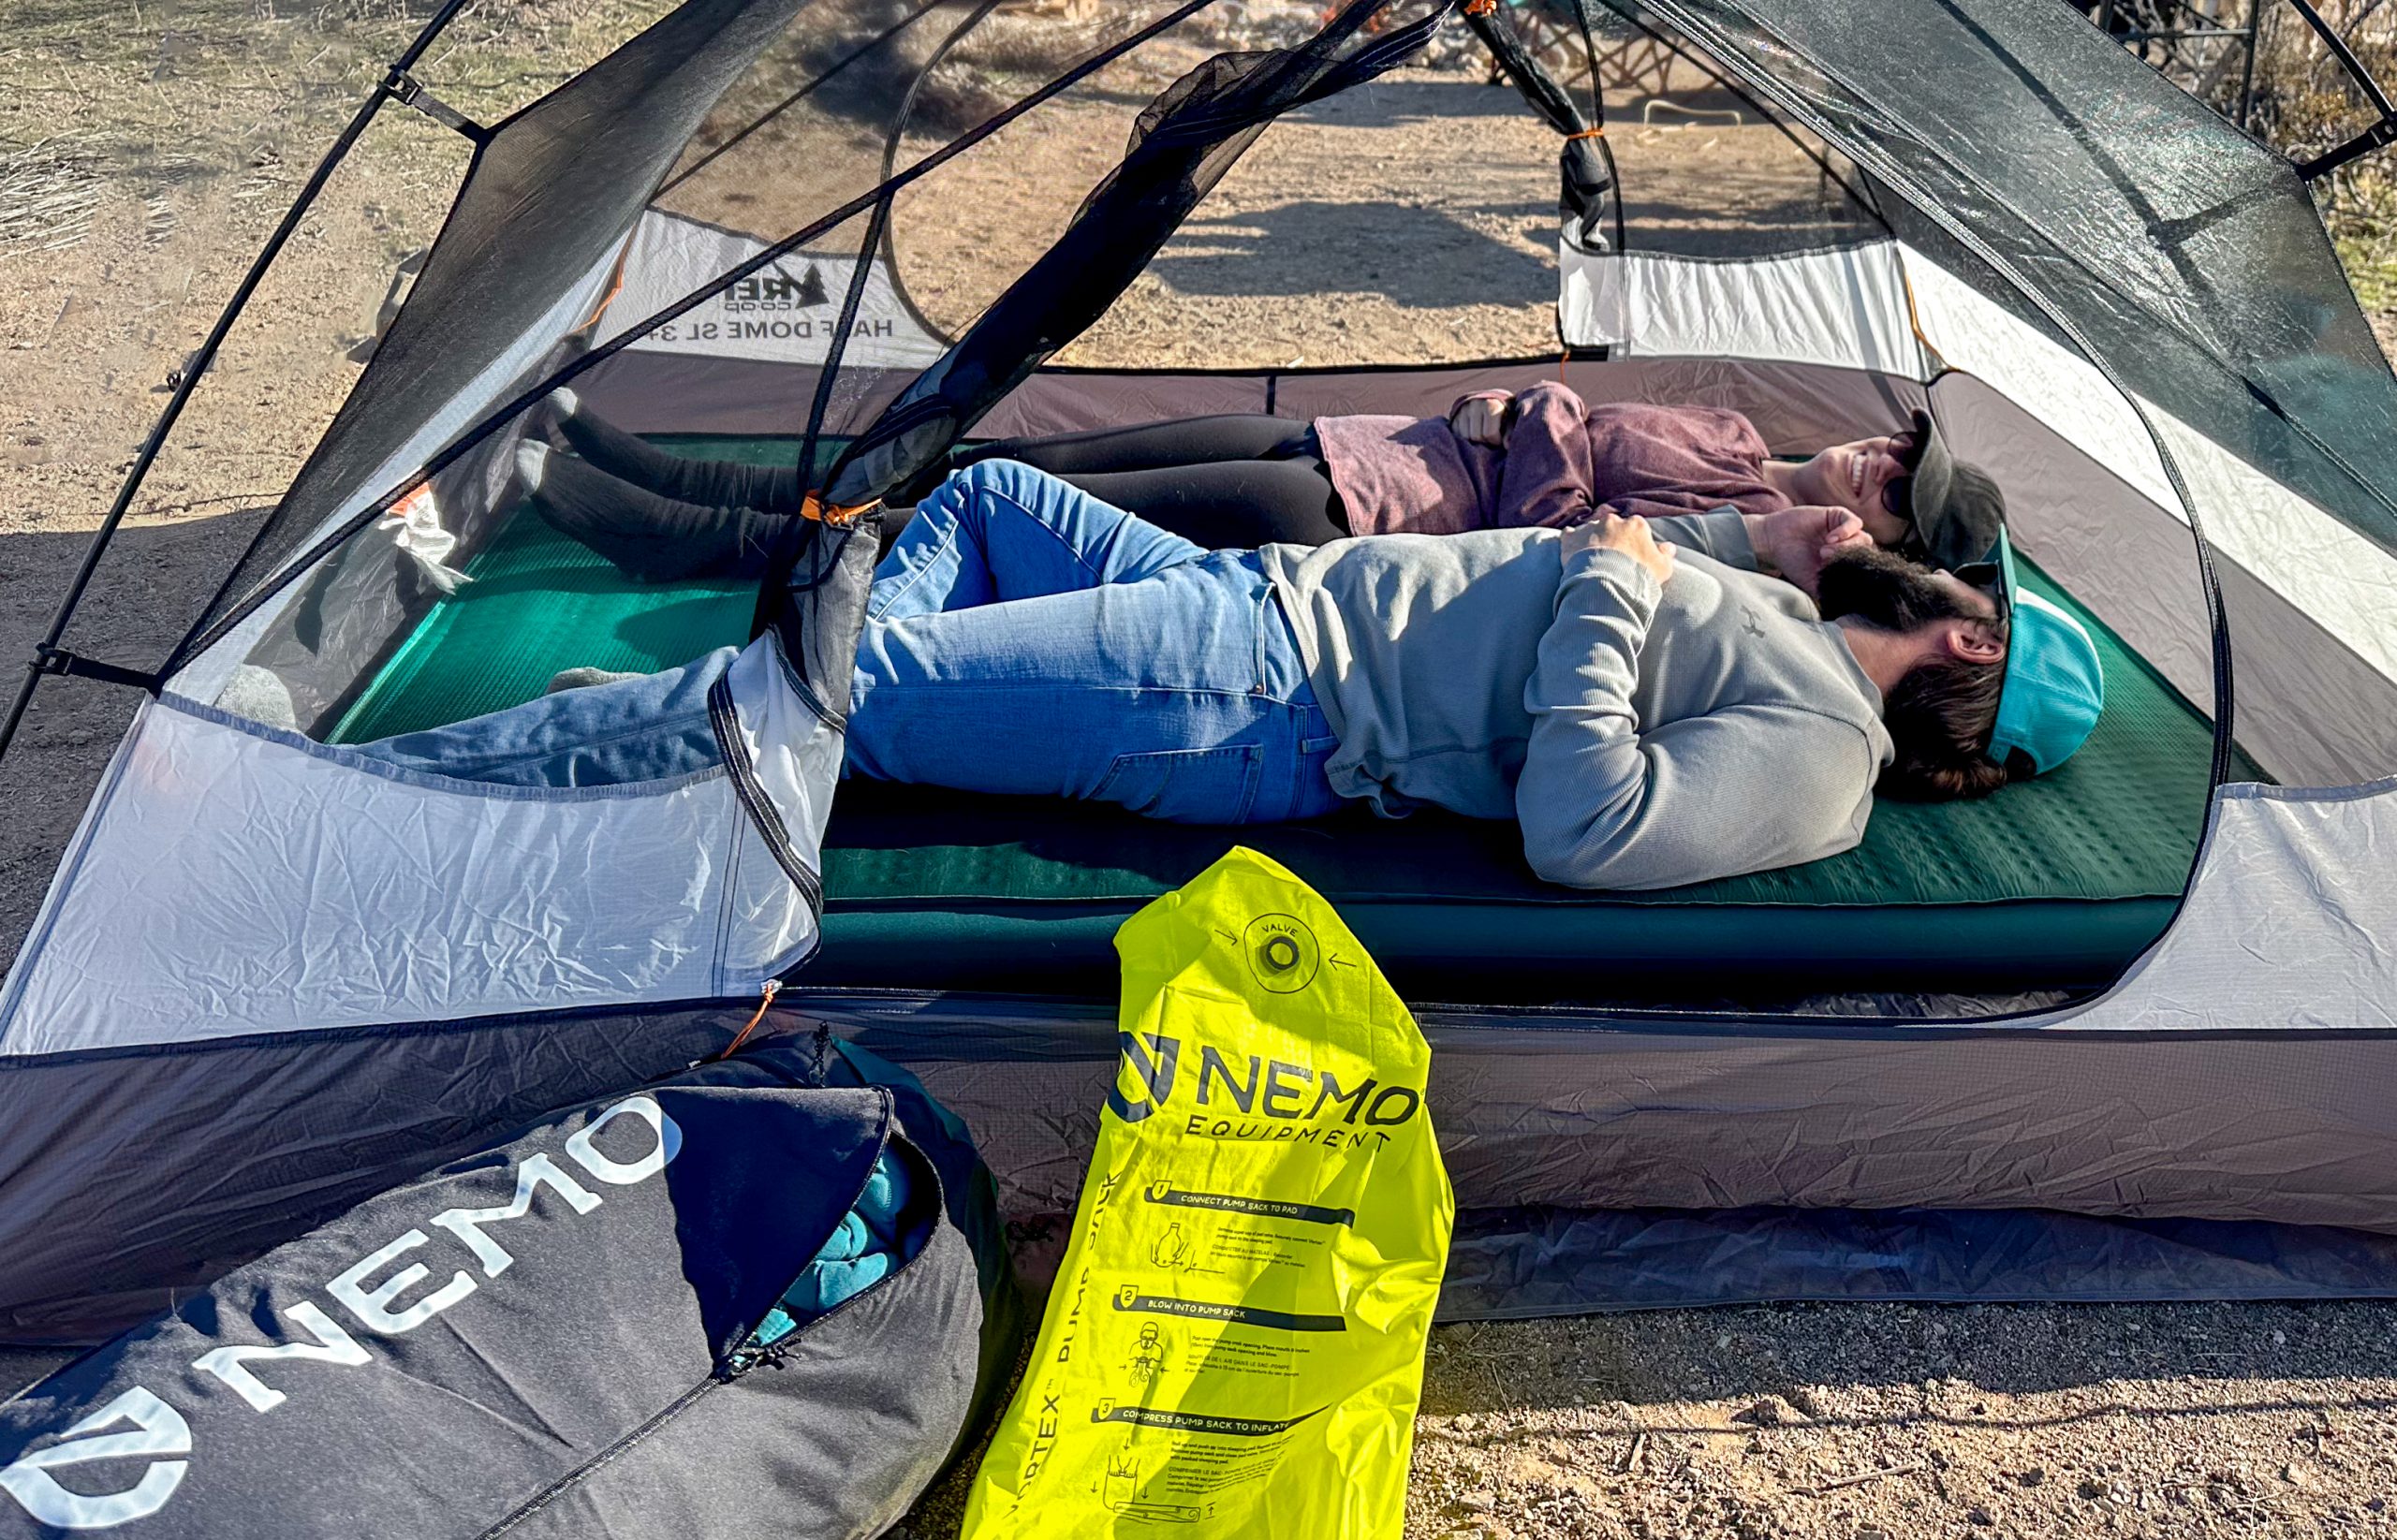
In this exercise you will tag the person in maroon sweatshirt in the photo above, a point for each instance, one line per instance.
(1501, 461)
(1237, 482)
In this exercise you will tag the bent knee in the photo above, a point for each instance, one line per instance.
(1013, 479)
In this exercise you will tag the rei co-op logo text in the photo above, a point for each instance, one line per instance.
(773, 305)
(1253, 1096)
(371, 1293)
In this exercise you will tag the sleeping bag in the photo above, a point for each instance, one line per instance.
(752, 1299)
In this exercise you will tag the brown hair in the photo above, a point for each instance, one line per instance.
(1941, 717)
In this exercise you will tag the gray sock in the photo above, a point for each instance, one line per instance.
(532, 463)
(259, 694)
(576, 679)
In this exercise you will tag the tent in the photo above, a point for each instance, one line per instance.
(274, 973)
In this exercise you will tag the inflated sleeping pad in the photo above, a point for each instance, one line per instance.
(538, 603)
(2056, 882)
(541, 602)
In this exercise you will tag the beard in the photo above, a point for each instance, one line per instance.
(1883, 589)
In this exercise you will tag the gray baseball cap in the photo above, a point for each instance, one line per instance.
(1957, 510)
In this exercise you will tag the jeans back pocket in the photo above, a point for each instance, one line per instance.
(1186, 785)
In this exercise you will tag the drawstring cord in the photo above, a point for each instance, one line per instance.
(766, 998)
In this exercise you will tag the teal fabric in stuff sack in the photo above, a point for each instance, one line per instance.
(871, 1239)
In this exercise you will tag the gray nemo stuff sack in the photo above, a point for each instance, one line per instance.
(767, 1296)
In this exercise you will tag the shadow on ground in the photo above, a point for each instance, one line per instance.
(1422, 259)
(154, 581)
(1744, 1353)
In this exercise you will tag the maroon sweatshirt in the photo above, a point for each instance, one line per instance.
(1564, 460)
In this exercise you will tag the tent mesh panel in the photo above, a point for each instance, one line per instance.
(540, 602)
(2188, 255)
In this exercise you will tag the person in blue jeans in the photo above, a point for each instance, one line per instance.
(1024, 637)
(1654, 702)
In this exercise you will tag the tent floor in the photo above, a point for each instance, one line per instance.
(2055, 883)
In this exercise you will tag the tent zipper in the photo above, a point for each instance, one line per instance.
(724, 718)
(751, 1352)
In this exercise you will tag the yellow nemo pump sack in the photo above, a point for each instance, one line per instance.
(1234, 1345)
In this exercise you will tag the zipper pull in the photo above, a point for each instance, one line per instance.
(740, 1360)
(765, 998)
(822, 1049)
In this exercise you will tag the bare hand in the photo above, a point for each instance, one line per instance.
(1482, 421)
(1613, 532)
(1796, 542)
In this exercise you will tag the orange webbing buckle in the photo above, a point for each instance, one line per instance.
(1480, 7)
(835, 514)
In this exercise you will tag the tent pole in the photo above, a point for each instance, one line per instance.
(2347, 57)
(192, 645)
(898, 123)
(1674, 46)
(2382, 132)
(809, 89)
(2380, 135)
(1895, 174)
(197, 366)
(2247, 68)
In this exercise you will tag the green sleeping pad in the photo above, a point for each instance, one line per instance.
(2058, 881)
(540, 603)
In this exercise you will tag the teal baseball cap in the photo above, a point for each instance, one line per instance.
(2055, 687)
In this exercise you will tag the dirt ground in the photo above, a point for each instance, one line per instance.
(1893, 1422)
(146, 149)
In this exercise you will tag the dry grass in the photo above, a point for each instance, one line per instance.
(48, 191)
(147, 97)
(2304, 104)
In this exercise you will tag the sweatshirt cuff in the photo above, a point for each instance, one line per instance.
(1726, 539)
(1617, 571)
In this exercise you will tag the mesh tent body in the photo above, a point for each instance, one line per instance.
(272, 974)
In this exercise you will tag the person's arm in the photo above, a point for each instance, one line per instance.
(1603, 804)
(1546, 477)
(1745, 789)
(1725, 533)
(1792, 543)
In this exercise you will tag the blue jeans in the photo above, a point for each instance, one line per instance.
(649, 727)
(1025, 638)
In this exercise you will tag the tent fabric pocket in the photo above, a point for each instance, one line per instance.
(880, 1234)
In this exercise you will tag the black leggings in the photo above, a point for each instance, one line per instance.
(709, 483)
(1224, 482)
(1227, 483)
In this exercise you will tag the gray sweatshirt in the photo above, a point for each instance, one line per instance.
(1643, 735)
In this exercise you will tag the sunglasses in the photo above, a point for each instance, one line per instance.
(1989, 579)
(1897, 494)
